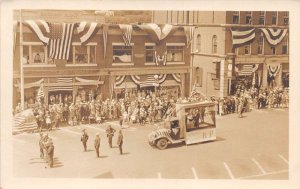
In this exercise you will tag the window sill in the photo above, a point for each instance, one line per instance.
(123, 64)
(175, 63)
(80, 65)
(150, 64)
(38, 65)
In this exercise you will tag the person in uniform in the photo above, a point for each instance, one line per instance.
(120, 141)
(110, 133)
(50, 151)
(45, 142)
(84, 138)
(41, 145)
(97, 144)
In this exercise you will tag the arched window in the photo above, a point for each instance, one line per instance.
(198, 43)
(214, 44)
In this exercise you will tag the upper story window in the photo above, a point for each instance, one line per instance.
(285, 45)
(150, 57)
(122, 53)
(83, 54)
(248, 17)
(261, 20)
(214, 44)
(260, 45)
(286, 18)
(247, 49)
(274, 18)
(235, 17)
(198, 43)
(175, 52)
(273, 50)
(35, 53)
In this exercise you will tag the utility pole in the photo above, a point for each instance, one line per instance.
(21, 63)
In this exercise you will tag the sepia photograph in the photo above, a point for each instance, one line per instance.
(139, 94)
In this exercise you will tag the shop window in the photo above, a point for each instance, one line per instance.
(247, 49)
(34, 53)
(273, 50)
(175, 53)
(122, 54)
(286, 18)
(274, 18)
(83, 54)
(214, 45)
(235, 17)
(260, 45)
(261, 20)
(150, 57)
(248, 17)
(198, 43)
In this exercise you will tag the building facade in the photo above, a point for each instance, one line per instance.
(103, 67)
(222, 62)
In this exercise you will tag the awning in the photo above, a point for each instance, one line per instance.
(124, 85)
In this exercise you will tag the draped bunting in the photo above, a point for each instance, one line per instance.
(24, 121)
(274, 36)
(104, 32)
(40, 28)
(33, 84)
(127, 31)
(156, 32)
(241, 36)
(160, 59)
(273, 70)
(189, 34)
(87, 30)
(87, 80)
(120, 80)
(177, 77)
(247, 69)
(136, 79)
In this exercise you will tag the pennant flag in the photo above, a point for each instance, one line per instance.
(242, 35)
(274, 36)
(160, 59)
(189, 33)
(156, 32)
(60, 40)
(41, 28)
(87, 30)
(127, 31)
(40, 93)
(105, 32)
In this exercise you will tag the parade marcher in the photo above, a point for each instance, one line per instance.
(50, 152)
(120, 141)
(84, 139)
(45, 143)
(97, 144)
(110, 133)
(41, 145)
(48, 121)
(241, 106)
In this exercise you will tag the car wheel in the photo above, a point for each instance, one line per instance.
(162, 143)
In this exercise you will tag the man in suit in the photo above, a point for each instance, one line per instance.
(50, 151)
(41, 145)
(120, 141)
(110, 133)
(97, 144)
(84, 138)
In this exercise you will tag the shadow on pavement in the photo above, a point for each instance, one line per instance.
(105, 175)
(126, 153)
(103, 156)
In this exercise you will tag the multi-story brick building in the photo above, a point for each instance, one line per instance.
(213, 51)
(104, 64)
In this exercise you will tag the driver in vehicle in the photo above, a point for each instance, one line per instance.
(175, 130)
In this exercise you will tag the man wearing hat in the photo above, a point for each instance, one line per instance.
(120, 141)
(97, 144)
(110, 133)
(84, 138)
(41, 145)
(50, 152)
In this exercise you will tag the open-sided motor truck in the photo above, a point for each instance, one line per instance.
(194, 123)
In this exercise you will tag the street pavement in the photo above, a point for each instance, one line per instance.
(252, 147)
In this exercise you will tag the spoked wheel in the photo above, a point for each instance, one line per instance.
(162, 143)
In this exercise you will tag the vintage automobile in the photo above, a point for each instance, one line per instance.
(194, 123)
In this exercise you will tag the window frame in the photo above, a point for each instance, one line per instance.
(272, 50)
(286, 17)
(247, 15)
(88, 45)
(182, 45)
(272, 16)
(236, 14)
(123, 63)
(262, 45)
(247, 45)
(31, 63)
(149, 45)
(262, 16)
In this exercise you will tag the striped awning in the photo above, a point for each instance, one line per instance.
(67, 81)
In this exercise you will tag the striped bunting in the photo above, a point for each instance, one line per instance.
(189, 33)
(156, 32)
(87, 30)
(105, 33)
(127, 31)
(274, 36)
(177, 77)
(150, 81)
(273, 70)
(160, 59)
(67, 87)
(136, 79)
(242, 35)
(120, 80)
(163, 133)
(40, 28)
(24, 121)
(60, 40)
(247, 69)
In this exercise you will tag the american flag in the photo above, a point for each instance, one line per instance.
(127, 31)
(24, 122)
(246, 70)
(40, 93)
(64, 84)
(60, 40)
(241, 36)
(150, 81)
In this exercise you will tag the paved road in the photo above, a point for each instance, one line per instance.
(253, 147)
